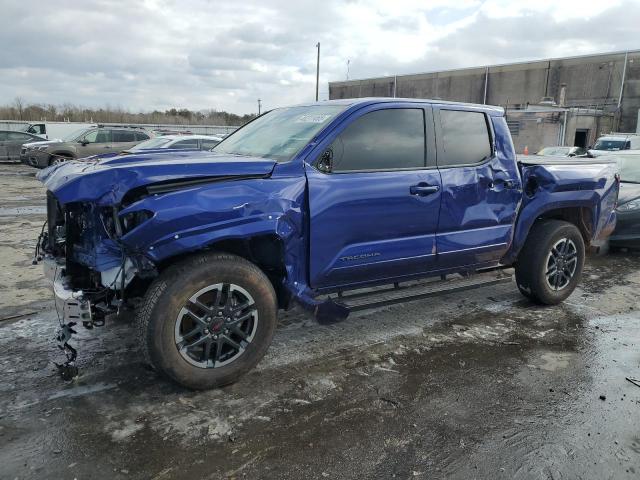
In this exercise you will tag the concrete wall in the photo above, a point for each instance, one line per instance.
(536, 130)
(593, 80)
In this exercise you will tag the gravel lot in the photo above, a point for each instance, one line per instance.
(478, 384)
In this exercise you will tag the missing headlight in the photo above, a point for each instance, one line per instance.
(132, 220)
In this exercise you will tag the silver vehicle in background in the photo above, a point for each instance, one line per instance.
(562, 152)
(177, 142)
(615, 142)
(11, 142)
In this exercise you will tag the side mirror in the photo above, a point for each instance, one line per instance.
(83, 142)
(325, 164)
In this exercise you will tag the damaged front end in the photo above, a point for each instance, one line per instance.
(90, 268)
(111, 228)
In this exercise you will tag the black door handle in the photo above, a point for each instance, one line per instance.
(422, 189)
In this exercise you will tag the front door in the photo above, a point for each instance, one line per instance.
(481, 188)
(374, 198)
(94, 143)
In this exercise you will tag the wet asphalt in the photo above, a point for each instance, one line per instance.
(478, 384)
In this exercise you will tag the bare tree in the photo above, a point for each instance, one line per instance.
(21, 110)
(19, 104)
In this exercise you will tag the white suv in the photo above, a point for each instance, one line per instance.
(615, 142)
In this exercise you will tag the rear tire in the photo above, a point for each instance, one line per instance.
(207, 320)
(550, 264)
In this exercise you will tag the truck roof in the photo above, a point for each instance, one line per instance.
(491, 109)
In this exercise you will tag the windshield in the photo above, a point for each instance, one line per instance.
(279, 134)
(554, 151)
(151, 143)
(611, 145)
(75, 135)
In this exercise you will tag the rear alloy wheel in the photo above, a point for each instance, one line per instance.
(562, 263)
(549, 266)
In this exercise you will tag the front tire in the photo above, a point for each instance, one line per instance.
(550, 264)
(57, 159)
(208, 320)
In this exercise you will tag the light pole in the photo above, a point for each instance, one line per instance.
(317, 71)
(259, 106)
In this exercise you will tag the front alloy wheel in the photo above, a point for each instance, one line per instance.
(216, 325)
(207, 320)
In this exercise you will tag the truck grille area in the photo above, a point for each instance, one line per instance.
(56, 234)
(72, 238)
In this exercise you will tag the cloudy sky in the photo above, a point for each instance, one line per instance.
(201, 54)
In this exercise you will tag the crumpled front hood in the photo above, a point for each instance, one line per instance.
(105, 183)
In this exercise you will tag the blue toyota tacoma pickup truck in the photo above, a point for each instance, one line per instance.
(303, 202)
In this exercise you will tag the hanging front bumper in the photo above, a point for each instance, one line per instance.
(71, 305)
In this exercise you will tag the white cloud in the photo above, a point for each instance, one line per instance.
(218, 54)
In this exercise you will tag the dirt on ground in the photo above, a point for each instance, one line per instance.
(478, 384)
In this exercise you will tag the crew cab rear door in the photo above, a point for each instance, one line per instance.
(481, 187)
(374, 197)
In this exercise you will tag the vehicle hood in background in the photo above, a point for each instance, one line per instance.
(628, 192)
(124, 156)
(106, 182)
(44, 142)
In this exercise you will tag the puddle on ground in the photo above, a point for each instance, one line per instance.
(552, 361)
(13, 211)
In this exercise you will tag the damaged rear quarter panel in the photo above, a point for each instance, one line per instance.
(556, 186)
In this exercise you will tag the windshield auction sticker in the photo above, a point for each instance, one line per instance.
(310, 118)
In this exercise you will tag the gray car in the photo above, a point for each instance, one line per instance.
(11, 142)
(627, 232)
(82, 143)
(563, 152)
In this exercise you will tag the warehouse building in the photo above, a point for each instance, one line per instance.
(561, 101)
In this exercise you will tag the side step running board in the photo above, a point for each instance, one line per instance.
(382, 297)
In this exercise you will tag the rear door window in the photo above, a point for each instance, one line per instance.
(123, 136)
(465, 138)
(381, 140)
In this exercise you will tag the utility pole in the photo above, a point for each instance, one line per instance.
(348, 63)
(259, 105)
(317, 71)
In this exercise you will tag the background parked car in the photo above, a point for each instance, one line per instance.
(82, 143)
(11, 142)
(627, 232)
(615, 142)
(563, 152)
(177, 142)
